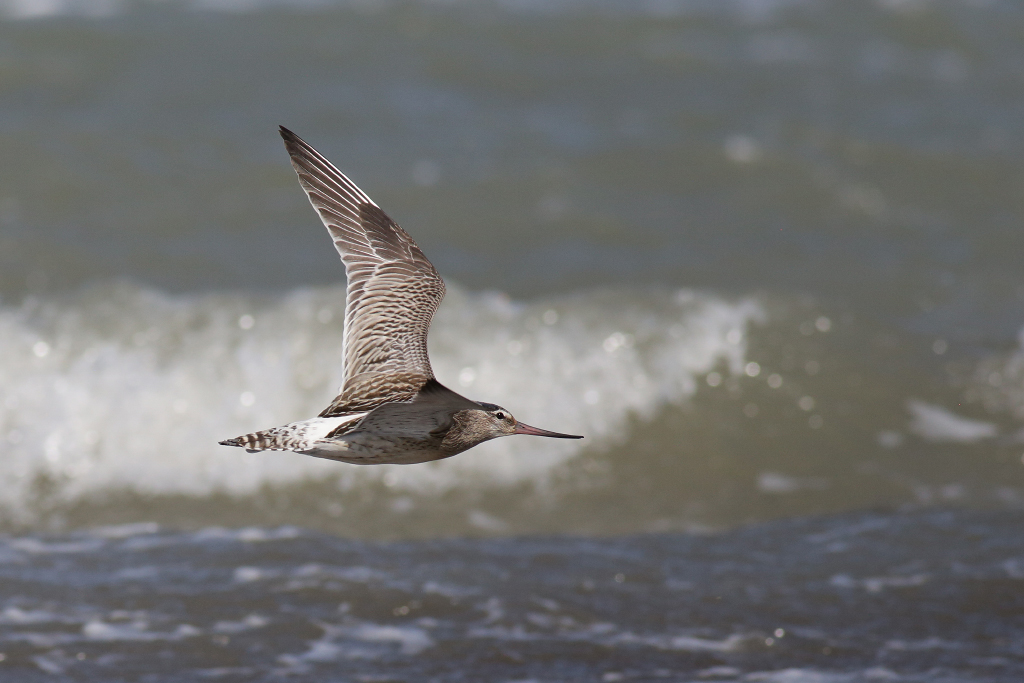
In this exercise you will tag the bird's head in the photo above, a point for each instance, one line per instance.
(493, 421)
(473, 426)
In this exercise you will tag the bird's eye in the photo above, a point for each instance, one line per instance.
(500, 415)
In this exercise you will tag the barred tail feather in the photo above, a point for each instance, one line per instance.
(261, 441)
(297, 436)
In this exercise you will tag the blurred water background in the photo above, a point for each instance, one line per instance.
(765, 254)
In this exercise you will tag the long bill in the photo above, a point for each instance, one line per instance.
(533, 431)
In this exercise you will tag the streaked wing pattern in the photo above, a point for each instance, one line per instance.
(393, 290)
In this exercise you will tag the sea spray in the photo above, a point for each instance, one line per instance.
(122, 388)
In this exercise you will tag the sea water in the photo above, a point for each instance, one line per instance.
(764, 255)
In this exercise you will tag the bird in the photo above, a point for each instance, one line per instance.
(390, 408)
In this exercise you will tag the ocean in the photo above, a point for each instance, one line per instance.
(763, 254)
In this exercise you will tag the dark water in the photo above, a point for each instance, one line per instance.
(869, 597)
(765, 255)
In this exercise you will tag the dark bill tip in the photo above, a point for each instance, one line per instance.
(533, 431)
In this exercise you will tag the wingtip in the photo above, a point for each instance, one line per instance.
(296, 146)
(230, 442)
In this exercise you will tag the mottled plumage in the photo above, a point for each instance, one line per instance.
(390, 408)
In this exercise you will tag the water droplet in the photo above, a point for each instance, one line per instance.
(714, 379)
(41, 349)
(752, 369)
(613, 342)
(246, 322)
(247, 398)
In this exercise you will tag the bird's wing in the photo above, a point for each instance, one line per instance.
(429, 410)
(393, 290)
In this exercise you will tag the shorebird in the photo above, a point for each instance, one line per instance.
(390, 408)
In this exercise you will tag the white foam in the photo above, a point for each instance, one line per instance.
(250, 574)
(605, 634)
(691, 644)
(16, 615)
(997, 382)
(252, 621)
(937, 424)
(135, 630)
(138, 387)
(358, 640)
(37, 547)
(409, 639)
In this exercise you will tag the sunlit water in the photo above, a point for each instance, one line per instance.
(764, 255)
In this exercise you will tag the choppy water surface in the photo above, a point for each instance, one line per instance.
(917, 597)
(765, 255)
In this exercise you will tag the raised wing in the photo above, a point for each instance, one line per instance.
(393, 290)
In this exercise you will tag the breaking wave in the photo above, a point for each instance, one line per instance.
(122, 388)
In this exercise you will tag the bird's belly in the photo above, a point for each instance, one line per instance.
(361, 448)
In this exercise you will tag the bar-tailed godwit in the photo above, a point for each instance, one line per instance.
(390, 409)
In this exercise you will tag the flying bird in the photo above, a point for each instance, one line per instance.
(390, 409)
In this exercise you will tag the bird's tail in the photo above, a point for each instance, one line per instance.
(268, 440)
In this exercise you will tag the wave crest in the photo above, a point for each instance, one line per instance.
(125, 388)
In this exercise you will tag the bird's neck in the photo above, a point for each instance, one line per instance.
(464, 432)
